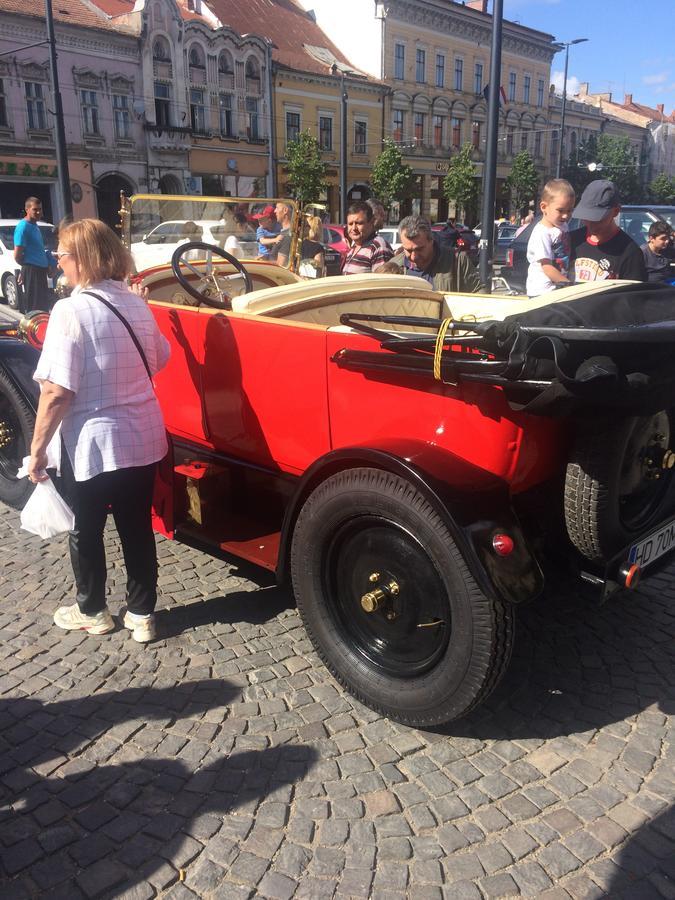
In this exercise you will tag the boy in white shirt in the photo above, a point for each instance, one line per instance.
(548, 250)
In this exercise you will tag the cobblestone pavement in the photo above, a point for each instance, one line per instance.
(223, 760)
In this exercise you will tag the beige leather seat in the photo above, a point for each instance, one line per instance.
(322, 301)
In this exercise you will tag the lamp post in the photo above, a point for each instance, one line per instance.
(559, 46)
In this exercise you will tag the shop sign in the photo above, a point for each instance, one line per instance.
(25, 170)
(442, 166)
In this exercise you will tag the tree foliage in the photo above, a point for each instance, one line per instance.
(390, 178)
(460, 185)
(306, 169)
(610, 157)
(523, 182)
(662, 189)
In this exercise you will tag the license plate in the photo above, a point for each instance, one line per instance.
(652, 547)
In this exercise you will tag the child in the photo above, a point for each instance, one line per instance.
(548, 250)
(390, 268)
(657, 252)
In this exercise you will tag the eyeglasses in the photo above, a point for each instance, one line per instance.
(61, 255)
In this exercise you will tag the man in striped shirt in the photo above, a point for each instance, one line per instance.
(366, 252)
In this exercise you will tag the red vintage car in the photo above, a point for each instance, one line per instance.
(408, 460)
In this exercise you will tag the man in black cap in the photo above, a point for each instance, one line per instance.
(602, 250)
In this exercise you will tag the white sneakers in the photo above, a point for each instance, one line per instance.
(142, 628)
(70, 618)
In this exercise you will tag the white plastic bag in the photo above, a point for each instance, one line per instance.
(46, 513)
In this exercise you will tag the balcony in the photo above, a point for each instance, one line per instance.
(168, 137)
(226, 81)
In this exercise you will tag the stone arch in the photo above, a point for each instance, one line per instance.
(170, 184)
(108, 188)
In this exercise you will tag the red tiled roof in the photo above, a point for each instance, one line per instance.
(286, 24)
(73, 12)
(656, 114)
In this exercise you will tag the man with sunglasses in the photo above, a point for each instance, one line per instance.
(35, 261)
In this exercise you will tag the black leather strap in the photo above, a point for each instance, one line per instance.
(126, 325)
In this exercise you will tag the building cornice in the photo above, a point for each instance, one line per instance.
(330, 81)
(458, 21)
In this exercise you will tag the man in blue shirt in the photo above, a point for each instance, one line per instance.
(30, 253)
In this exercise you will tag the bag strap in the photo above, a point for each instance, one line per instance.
(126, 325)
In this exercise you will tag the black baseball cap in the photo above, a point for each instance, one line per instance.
(597, 200)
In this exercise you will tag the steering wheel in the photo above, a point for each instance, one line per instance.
(212, 291)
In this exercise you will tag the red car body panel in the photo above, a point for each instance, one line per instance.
(339, 241)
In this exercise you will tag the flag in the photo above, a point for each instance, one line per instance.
(501, 97)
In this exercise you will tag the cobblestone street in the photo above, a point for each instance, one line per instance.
(223, 760)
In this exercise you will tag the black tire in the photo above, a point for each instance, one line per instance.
(616, 487)
(17, 421)
(362, 522)
(10, 291)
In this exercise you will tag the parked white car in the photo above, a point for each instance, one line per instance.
(8, 265)
(392, 236)
(157, 246)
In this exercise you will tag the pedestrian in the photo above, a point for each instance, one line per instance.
(267, 233)
(524, 222)
(36, 263)
(658, 252)
(312, 253)
(601, 250)
(443, 267)
(101, 349)
(366, 252)
(548, 249)
(284, 216)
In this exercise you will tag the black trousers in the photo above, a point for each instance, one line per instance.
(128, 495)
(35, 291)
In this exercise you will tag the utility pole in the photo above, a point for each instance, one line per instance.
(60, 133)
(343, 148)
(486, 243)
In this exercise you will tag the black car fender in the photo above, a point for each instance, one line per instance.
(474, 506)
(18, 360)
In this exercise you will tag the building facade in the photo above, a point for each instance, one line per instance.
(436, 60)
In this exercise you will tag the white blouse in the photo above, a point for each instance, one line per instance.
(114, 421)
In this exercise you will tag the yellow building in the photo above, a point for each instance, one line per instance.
(437, 60)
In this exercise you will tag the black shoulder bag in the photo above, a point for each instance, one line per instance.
(126, 325)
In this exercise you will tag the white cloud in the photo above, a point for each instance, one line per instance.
(572, 83)
(355, 30)
(658, 78)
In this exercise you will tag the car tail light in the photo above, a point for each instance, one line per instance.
(461, 243)
(34, 328)
(502, 544)
(509, 258)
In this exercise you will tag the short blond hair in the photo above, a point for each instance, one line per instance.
(97, 250)
(554, 187)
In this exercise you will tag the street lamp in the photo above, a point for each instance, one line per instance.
(559, 45)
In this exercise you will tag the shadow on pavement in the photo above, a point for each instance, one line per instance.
(645, 867)
(577, 667)
(89, 827)
(255, 607)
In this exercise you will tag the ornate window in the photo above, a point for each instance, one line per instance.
(418, 127)
(35, 106)
(162, 103)
(440, 70)
(360, 136)
(527, 81)
(537, 143)
(540, 92)
(89, 102)
(225, 114)
(399, 61)
(420, 66)
(456, 129)
(325, 133)
(121, 116)
(252, 125)
(4, 121)
(459, 74)
(478, 78)
(292, 126)
(438, 131)
(397, 125)
(512, 86)
(475, 135)
(197, 111)
(160, 50)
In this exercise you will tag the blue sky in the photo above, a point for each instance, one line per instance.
(630, 49)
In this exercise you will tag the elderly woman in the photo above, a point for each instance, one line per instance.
(101, 349)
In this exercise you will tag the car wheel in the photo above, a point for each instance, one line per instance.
(619, 483)
(17, 420)
(389, 602)
(10, 291)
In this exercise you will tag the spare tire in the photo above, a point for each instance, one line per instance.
(619, 483)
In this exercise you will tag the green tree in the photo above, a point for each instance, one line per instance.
(390, 178)
(662, 189)
(523, 182)
(619, 165)
(460, 185)
(306, 169)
